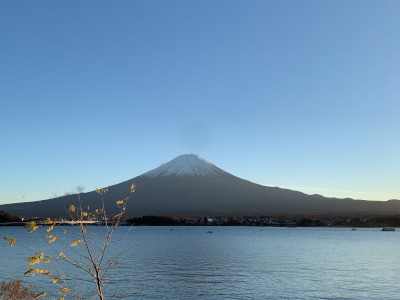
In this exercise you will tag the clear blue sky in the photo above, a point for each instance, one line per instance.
(297, 94)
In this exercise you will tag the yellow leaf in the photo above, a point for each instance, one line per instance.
(52, 239)
(63, 290)
(31, 271)
(71, 208)
(120, 201)
(84, 214)
(11, 240)
(33, 229)
(50, 228)
(30, 224)
(53, 280)
(33, 260)
(44, 272)
(40, 295)
(75, 242)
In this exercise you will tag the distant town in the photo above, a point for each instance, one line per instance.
(277, 221)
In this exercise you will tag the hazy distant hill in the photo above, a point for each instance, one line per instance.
(191, 186)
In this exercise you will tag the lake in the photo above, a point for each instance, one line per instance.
(235, 263)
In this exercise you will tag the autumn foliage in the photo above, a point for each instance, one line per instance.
(90, 251)
(15, 290)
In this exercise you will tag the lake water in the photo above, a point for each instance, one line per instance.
(238, 263)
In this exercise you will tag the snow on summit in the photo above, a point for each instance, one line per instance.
(186, 164)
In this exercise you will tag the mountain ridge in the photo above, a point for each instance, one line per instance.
(191, 186)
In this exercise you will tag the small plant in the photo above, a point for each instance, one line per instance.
(15, 290)
(86, 254)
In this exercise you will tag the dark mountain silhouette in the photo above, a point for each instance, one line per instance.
(191, 186)
(6, 217)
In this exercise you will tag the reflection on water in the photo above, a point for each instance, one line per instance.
(242, 263)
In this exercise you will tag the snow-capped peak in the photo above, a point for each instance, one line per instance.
(186, 164)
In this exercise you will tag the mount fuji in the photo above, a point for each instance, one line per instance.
(192, 186)
(186, 165)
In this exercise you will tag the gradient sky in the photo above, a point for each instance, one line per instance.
(298, 94)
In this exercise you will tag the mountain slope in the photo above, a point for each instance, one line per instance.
(191, 186)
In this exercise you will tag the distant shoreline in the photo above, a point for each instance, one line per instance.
(251, 221)
(21, 224)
